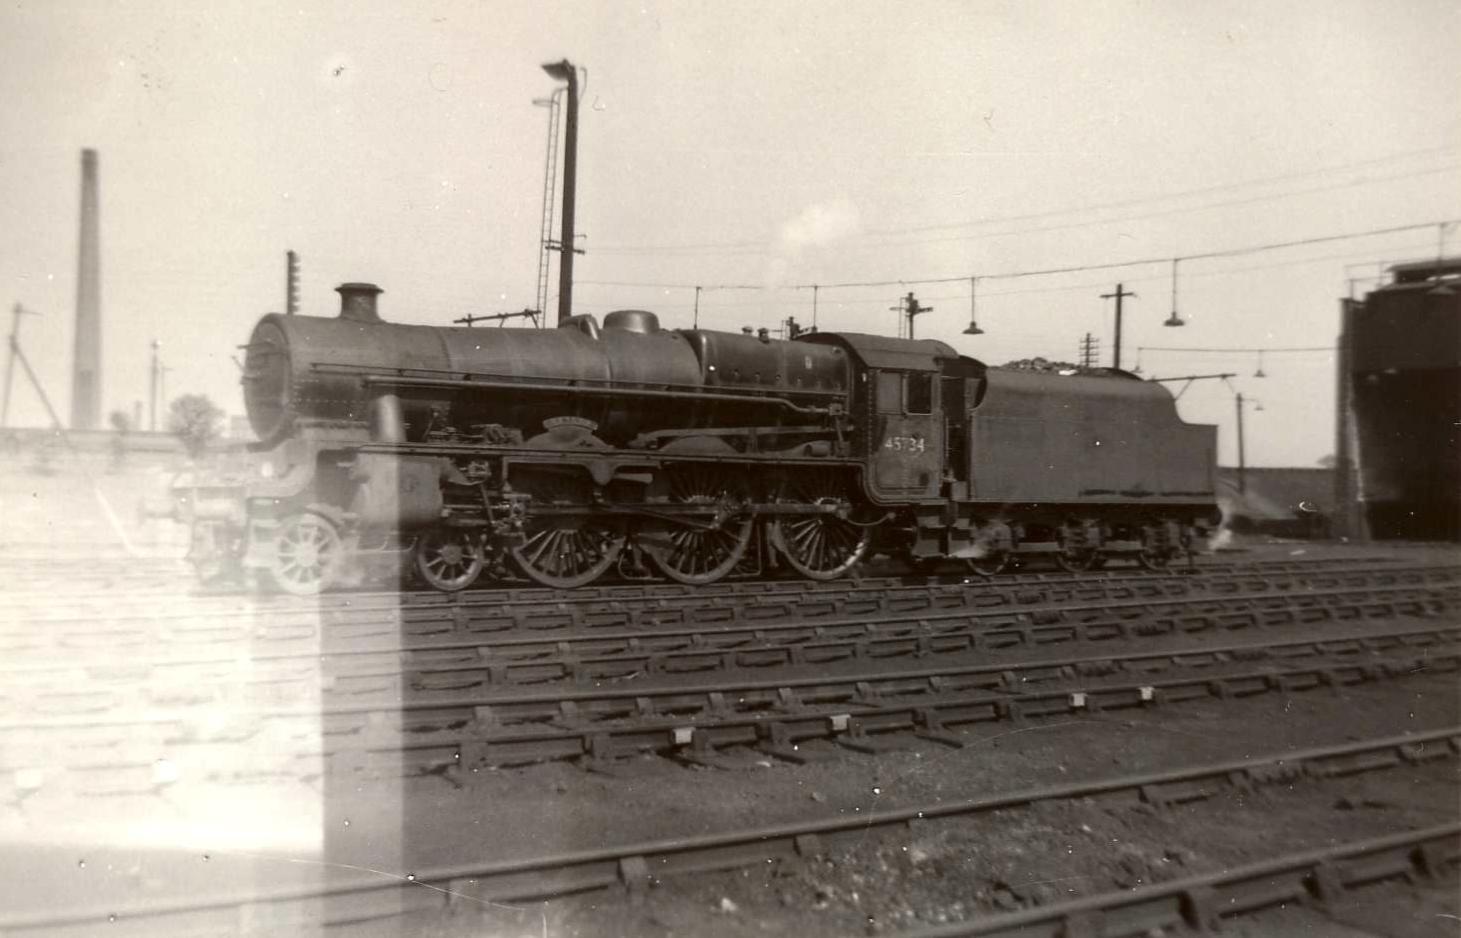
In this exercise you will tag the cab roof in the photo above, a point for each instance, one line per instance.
(880, 351)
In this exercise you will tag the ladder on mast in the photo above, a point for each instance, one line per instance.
(550, 180)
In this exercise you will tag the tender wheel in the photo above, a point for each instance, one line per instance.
(991, 564)
(1074, 555)
(692, 553)
(823, 546)
(1154, 561)
(449, 559)
(308, 554)
(1154, 555)
(1076, 561)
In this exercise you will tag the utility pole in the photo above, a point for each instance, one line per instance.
(910, 308)
(291, 283)
(1088, 351)
(16, 312)
(152, 386)
(1117, 296)
(565, 72)
(1242, 459)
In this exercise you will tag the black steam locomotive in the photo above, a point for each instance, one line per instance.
(689, 454)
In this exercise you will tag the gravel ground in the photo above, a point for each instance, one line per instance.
(948, 872)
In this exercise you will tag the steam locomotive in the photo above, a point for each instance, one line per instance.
(686, 454)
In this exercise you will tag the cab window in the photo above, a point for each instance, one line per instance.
(920, 393)
(890, 392)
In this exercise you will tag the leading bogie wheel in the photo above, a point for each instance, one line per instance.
(308, 554)
(449, 559)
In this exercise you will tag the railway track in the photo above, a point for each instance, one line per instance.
(418, 671)
(434, 669)
(313, 631)
(460, 735)
(1196, 901)
(63, 602)
(1203, 903)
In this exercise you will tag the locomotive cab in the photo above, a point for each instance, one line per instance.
(903, 415)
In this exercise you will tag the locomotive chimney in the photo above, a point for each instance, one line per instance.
(357, 301)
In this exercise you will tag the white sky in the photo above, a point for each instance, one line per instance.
(766, 144)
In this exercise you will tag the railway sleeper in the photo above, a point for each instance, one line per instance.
(1009, 638)
(1153, 627)
(826, 654)
(1416, 753)
(772, 611)
(858, 740)
(896, 648)
(1167, 794)
(775, 739)
(929, 724)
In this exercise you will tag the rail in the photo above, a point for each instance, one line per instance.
(635, 866)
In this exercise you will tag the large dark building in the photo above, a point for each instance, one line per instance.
(1399, 428)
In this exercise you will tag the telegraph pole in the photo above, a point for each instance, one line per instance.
(1088, 351)
(291, 283)
(16, 312)
(1242, 460)
(565, 72)
(1117, 296)
(152, 386)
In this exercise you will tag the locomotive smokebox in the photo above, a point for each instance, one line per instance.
(357, 301)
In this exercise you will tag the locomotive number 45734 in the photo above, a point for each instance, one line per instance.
(907, 444)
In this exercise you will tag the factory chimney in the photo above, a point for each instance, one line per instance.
(86, 371)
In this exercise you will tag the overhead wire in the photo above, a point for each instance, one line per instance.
(1072, 288)
(1264, 349)
(754, 247)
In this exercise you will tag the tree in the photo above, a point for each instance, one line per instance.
(194, 419)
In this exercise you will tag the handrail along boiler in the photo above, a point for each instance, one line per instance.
(691, 453)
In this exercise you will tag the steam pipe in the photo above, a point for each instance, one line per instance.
(386, 381)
